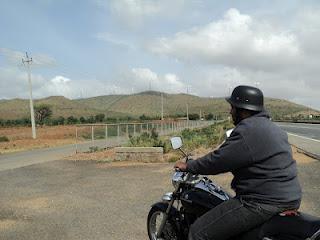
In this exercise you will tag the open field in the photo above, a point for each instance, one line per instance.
(20, 138)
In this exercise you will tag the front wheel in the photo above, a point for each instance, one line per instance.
(155, 217)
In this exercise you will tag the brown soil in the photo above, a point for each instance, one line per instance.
(109, 156)
(101, 156)
(20, 138)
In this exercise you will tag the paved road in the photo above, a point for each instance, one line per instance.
(302, 129)
(26, 158)
(304, 136)
(66, 200)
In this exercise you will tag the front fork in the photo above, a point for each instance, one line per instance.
(165, 217)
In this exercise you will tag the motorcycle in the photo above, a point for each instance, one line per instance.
(195, 195)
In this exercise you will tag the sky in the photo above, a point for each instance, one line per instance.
(89, 48)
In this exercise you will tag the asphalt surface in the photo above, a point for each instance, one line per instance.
(61, 200)
(302, 129)
(26, 158)
(304, 136)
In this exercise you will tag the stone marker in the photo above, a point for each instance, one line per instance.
(140, 154)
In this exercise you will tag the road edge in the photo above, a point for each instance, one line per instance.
(309, 154)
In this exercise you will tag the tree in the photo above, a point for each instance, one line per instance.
(82, 120)
(209, 116)
(99, 117)
(143, 117)
(58, 121)
(194, 116)
(42, 112)
(72, 120)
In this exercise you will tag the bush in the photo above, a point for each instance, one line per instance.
(205, 137)
(4, 139)
(149, 140)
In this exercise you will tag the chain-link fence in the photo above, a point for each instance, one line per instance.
(110, 135)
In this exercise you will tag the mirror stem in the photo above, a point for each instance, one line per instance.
(184, 154)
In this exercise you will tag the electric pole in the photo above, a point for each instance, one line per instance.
(161, 106)
(187, 114)
(27, 61)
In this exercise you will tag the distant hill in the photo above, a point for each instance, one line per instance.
(147, 103)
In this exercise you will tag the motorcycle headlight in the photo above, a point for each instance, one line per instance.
(167, 197)
(177, 178)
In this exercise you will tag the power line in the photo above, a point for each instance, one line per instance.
(27, 62)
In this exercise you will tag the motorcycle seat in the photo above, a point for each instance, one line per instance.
(299, 225)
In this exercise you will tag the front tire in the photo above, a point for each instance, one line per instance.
(155, 217)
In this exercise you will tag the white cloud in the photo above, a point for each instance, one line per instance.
(60, 80)
(110, 38)
(14, 83)
(144, 74)
(133, 13)
(237, 40)
(79, 88)
(15, 58)
(241, 49)
(142, 79)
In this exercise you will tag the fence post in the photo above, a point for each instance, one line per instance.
(106, 135)
(118, 131)
(92, 136)
(76, 139)
(161, 128)
(127, 130)
(134, 129)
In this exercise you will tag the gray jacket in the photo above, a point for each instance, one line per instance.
(259, 156)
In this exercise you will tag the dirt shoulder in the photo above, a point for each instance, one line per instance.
(20, 138)
(109, 156)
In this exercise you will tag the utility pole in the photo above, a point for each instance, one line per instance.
(187, 115)
(27, 61)
(161, 106)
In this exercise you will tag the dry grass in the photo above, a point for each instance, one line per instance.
(99, 156)
(7, 224)
(20, 138)
(109, 156)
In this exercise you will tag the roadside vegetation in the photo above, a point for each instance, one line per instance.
(150, 140)
(4, 139)
(205, 138)
(44, 116)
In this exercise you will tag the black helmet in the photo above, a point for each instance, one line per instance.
(247, 97)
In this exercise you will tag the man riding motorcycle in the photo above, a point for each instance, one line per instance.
(259, 156)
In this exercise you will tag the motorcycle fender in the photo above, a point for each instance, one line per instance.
(173, 214)
(163, 207)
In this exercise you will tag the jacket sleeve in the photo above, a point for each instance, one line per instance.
(233, 154)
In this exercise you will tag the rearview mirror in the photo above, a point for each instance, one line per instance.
(176, 142)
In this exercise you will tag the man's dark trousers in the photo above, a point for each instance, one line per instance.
(230, 219)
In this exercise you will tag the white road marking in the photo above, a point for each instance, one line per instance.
(317, 128)
(304, 137)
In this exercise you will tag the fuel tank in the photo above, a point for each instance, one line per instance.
(204, 196)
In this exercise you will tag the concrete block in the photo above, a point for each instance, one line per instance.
(140, 154)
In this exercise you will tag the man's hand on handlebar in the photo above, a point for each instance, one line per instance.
(181, 166)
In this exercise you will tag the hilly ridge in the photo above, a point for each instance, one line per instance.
(135, 105)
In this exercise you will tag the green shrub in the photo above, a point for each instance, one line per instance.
(207, 137)
(4, 139)
(149, 140)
